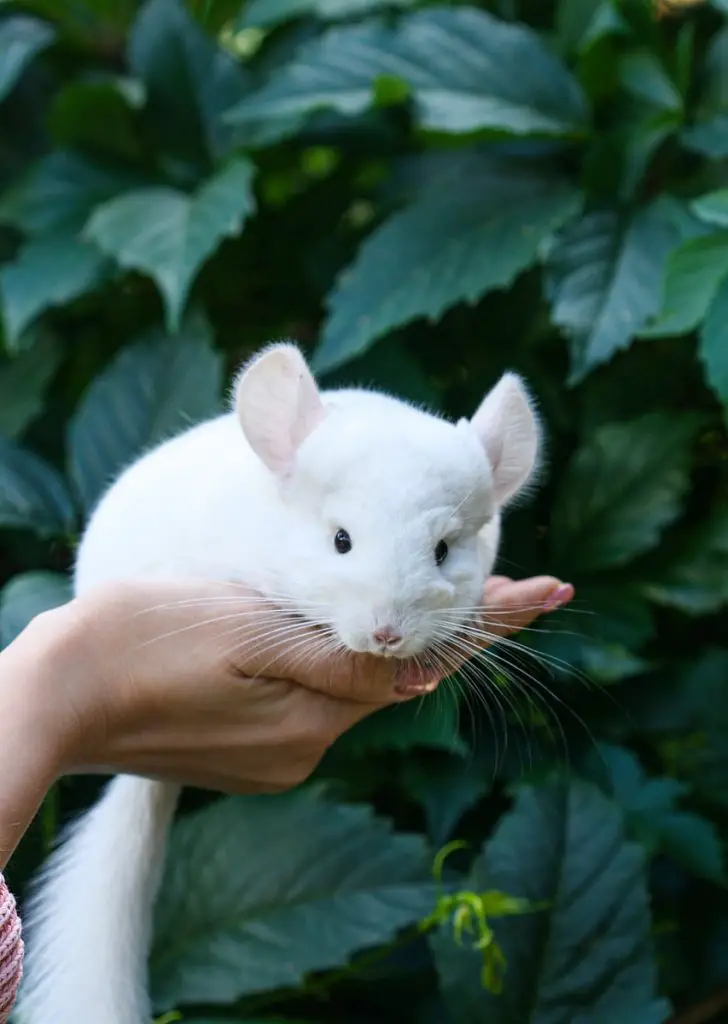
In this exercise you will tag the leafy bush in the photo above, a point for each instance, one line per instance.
(423, 195)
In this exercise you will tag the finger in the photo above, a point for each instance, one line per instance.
(513, 605)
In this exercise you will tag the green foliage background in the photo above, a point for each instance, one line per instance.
(423, 194)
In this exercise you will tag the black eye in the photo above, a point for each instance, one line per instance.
(441, 552)
(342, 542)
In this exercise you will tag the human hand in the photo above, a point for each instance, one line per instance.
(201, 684)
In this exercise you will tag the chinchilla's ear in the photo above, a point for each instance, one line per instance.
(278, 405)
(508, 429)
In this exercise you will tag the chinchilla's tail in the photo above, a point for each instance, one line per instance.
(88, 920)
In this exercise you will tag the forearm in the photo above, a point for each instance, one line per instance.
(31, 731)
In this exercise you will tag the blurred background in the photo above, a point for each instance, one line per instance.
(423, 194)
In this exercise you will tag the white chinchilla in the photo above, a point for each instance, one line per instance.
(376, 519)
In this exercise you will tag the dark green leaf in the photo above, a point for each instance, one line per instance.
(268, 13)
(712, 207)
(51, 270)
(61, 189)
(587, 956)
(694, 273)
(708, 134)
(458, 63)
(643, 75)
(244, 909)
(33, 495)
(606, 279)
(447, 787)
(653, 815)
(695, 577)
(28, 595)
(427, 722)
(23, 381)
(441, 250)
(169, 235)
(713, 344)
(21, 39)
(190, 81)
(152, 390)
(621, 489)
(97, 114)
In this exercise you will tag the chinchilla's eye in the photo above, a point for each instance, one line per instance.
(441, 552)
(342, 542)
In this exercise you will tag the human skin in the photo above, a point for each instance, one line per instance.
(175, 681)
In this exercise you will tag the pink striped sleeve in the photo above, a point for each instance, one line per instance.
(11, 951)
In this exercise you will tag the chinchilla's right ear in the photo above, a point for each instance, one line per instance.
(509, 430)
(278, 404)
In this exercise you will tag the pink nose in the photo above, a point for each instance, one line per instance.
(387, 636)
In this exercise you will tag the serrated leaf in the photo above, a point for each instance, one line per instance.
(587, 954)
(50, 270)
(33, 495)
(443, 249)
(694, 272)
(62, 188)
(621, 489)
(713, 343)
(169, 235)
(653, 815)
(153, 389)
(21, 39)
(23, 381)
(606, 277)
(26, 596)
(242, 909)
(190, 81)
(695, 576)
(458, 63)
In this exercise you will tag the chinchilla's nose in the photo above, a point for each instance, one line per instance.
(386, 637)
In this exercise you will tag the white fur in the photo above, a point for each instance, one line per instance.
(257, 496)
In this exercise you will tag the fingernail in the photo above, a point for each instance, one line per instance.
(558, 597)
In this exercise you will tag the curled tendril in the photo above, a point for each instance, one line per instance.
(469, 912)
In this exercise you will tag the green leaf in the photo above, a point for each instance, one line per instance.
(269, 13)
(97, 114)
(443, 249)
(713, 343)
(62, 188)
(695, 576)
(642, 74)
(190, 81)
(23, 381)
(694, 273)
(447, 786)
(605, 280)
(712, 207)
(33, 495)
(28, 595)
(430, 721)
(708, 134)
(169, 235)
(623, 486)
(242, 909)
(458, 63)
(50, 270)
(585, 956)
(21, 39)
(153, 389)
(652, 814)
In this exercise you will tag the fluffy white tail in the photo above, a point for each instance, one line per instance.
(88, 921)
